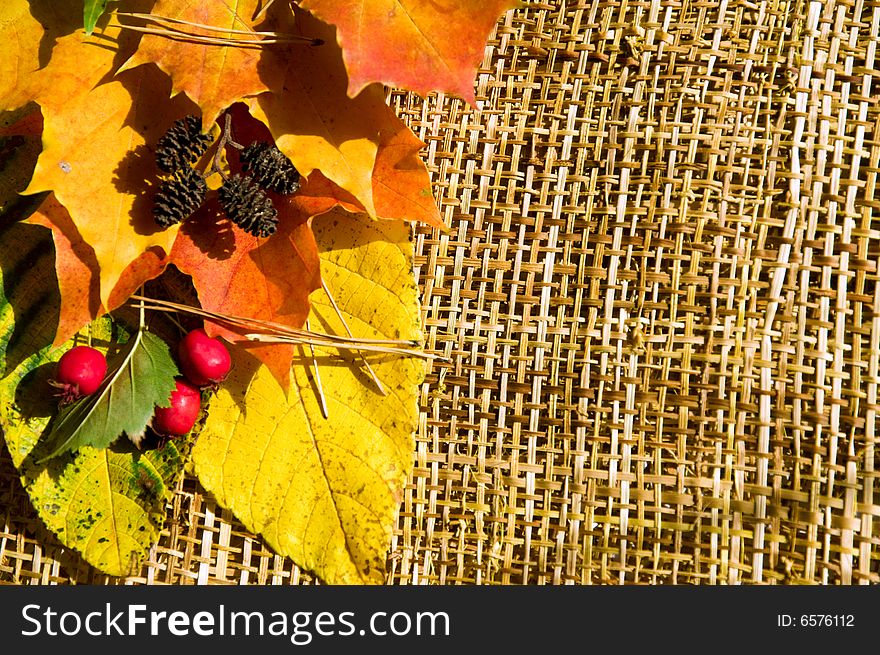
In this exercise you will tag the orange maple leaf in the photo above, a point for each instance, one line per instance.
(238, 274)
(311, 116)
(212, 75)
(421, 46)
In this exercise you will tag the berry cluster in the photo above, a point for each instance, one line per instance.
(204, 363)
(242, 196)
(184, 190)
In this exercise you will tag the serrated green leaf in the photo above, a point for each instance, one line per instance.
(92, 11)
(107, 504)
(141, 379)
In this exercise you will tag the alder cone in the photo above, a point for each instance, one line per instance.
(182, 144)
(179, 197)
(270, 167)
(248, 206)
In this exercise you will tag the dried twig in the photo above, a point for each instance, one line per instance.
(369, 368)
(322, 399)
(271, 332)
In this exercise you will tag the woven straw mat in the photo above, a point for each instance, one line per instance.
(659, 305)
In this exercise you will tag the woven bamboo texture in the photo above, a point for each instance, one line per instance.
(659, 305)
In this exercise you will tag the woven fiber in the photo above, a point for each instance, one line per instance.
(659, 305)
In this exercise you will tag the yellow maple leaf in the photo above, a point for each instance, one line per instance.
(94, 155)
(324, 491)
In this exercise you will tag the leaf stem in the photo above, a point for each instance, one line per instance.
(141, 319)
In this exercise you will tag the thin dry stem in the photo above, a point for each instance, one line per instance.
(322, 399)
(263, 11)
(369, 368)
(264, 325)
(288, 335)
(332, 343)
(167, 28)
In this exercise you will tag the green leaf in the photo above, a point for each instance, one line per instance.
(107, 504)
(141, 379)
(92, 11)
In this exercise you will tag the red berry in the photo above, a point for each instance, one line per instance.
(180, 417)
(203, 360)
(80, 372)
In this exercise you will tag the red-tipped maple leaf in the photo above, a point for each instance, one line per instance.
(401, 182)
(421, 46)
(237, 274)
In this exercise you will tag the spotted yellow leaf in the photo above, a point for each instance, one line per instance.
(324, 491)
(107, 504)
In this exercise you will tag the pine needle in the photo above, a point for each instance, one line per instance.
(271, 332)
(369, 368)
(170, 28)
(322, 399)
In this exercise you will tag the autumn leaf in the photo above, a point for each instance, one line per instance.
(20, 145)
(100, 183)
(28, 305)
(92, 11)
(238, 274)
(76, 266)
(102, 172)
(213, 76)
(109, 504)
(76, 269)
(325, 491)
(311, 117)
(28, 28)
(401, 182)
(235, 273)
(420, 46)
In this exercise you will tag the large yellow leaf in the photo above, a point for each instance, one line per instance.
(213, 76)
(325, 491)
